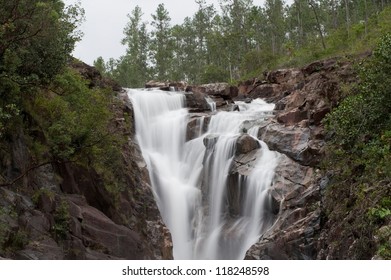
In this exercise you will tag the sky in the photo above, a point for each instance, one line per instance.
(106, 19)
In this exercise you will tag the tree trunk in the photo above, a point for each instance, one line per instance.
(347, 17)
(318, 23)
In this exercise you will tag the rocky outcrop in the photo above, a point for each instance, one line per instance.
(64, 210)
(222, 94)
(295, 198)
(167, 86)
(303, 98)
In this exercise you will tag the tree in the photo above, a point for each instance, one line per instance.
(319, 26)
(99, 64)
(36, 41)
(274, 10)
(162, 43)
(135, 63)
(235, 14)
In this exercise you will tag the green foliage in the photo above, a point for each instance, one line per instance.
(366, 112)
(73, 124)
(62, 218)
(74, 118)
(359, 154)
(213, 74)
(36, 40)
(10, 240)
(384, 235)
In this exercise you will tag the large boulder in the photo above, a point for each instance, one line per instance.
(293, 141)
(223, 90)
(247, 153)
(245, 144)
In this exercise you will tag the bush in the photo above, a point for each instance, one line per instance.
(359, 156)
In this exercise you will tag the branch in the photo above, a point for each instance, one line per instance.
(26, 172)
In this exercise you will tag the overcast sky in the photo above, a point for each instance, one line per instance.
(106, 19)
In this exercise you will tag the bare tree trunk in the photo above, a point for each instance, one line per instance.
(347, 17)
(318, 23)
(366, 17)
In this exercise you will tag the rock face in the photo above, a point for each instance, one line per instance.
(247, 151)
(221, 93)
(64, 210)
(303, 97)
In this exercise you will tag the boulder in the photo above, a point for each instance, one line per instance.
(266, 91)
(156, 84)
(292, 117)
(245, 144)
(196, 102)
(290, 77)
(210, 141)
(223, 90)
(293, 141)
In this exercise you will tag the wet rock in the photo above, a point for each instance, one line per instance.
(295, 196)
(161, 238)
(294, 142)
(246, 154)
(196, 102)
(245, 144)
(197, 125)
(210, 141)
(178, 86)
(269, 92)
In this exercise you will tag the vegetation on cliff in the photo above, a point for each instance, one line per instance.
(57, 119)
(358, 202)
(63, 116)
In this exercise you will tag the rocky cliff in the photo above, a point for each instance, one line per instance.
(63, 210)
(303, 97)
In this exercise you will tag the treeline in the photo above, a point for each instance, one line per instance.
(238, 41)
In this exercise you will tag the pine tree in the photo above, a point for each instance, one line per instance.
(133, 66)
(162, 44)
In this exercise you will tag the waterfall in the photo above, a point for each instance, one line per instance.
(211, 103)
(189, 178)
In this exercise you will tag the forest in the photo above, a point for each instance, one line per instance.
(57, 112)
(239, 40)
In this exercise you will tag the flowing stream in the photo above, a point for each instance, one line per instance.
(189, 178)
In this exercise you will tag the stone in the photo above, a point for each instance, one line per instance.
(155, 84)
(196, 102)
(267, 91)
(292, 117)
(245, 144)
(285, 76)
(210, 140)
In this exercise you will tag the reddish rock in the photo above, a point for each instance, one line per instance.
(266, 91)
(292, 117)
(245, 144)
(287, 76)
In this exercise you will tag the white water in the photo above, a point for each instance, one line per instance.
(190, 181)
(211, 103)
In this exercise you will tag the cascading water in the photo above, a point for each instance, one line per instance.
(189, 179)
